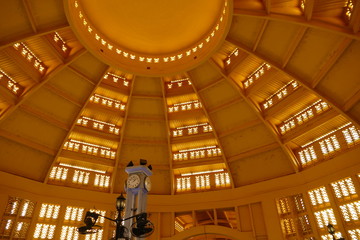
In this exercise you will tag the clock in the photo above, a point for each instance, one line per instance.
(133, 181)
(147, 184)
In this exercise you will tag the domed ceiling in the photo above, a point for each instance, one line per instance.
(261, 101)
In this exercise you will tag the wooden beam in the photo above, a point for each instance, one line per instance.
(68, 154)
(244, 126)
(260, 33)
(80, 74)
(47, 78)
(198, 162)
(294, 44)
(289, 153)
(170, 155)
(122, 133)
(267, 5)
(21, 38)
(355, 18)
(63, 94)
(299, 20)
(309, 8)
(207, 114)
(211, 84)
(304, 83)
(44, 116)
(27, 142)
(30, 15)
(254, 151)
(334, 57)
(352, 100)
(225, 105)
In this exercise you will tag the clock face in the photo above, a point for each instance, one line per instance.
(147, 184)
(133, 181)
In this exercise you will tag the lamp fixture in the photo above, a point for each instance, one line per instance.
(332, 231)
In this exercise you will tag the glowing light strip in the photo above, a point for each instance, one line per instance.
(82, 168)
(203, 172)
(183, 103)
(325, 135)
(282, 88)
(302, 111)
(114, 75)
(90, 144)
(98, 121)
(107, 98)
(16, 45)
(194, 149)
(180, 80)
(196, 125)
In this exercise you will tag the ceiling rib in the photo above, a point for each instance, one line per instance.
(225, 105)
(260, 34)
(30, 15)
(254, 151)
(339, 50)
(46, 79)
(294, 44)
(289, 153)
(302, 82)
(23, 38)
(45, 117)
(171, 173)
(244, 126)
(351, 101)
(223, 157)
(63, 94)
(267, 4)
(309, 8)
(27, 142)
(77, 72)
(69, 132)
(211, 85)
(299, 20)
(121, 142)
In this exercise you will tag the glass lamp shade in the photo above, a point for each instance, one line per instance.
(331, 229)
(120, 203)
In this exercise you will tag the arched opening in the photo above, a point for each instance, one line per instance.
(211, 232)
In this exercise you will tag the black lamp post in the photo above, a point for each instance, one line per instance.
(332, 231)
(120, 228)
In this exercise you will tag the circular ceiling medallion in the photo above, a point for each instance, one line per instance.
(154, 37)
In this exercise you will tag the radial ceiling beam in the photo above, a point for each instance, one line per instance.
(352, 100)
(171, 173)
(206, 112)
(334, 57)
(300, 20)
(286, 150)
(293, 45)
(61, 152)
(38, 86)
(63, 94)
(122, 133)
(30, 15)
(267, 5)
(355, 18)
(44, 116)
(309, 8)
(253, 152)
(260, 33)
(24, 37)
(27, 142)
(317, 92)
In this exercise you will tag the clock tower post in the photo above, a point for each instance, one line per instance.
(137, 186)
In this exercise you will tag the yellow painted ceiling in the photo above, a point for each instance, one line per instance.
(317, 47)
